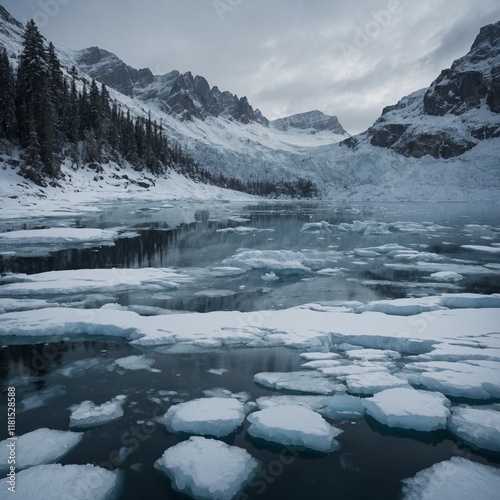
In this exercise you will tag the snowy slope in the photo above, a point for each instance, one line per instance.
(441, 143)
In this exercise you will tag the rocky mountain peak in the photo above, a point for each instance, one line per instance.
(311, 121)
(467, 94)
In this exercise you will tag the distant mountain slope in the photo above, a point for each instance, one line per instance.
(311, 122)
(460, 109)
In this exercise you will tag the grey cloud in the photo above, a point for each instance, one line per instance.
(285, 56)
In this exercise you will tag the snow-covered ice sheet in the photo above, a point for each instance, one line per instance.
(454, 479)
(42, 446)
(304, 382)
(477, 426)
(56, 482)
(88, 414)
(206, 416)
(93, 280)
(44, 241)
(482, 248)
(409, 409)
(294, 425)
(207, 468)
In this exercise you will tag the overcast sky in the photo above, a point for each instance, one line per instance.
(348, 58)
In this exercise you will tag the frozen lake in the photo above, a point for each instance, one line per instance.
(307, 300)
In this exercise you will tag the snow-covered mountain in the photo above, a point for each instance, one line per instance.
(460, 109)
(440, 143)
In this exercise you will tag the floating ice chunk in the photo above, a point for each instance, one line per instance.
(414, 256)
(353, 369)
(446, 276)
(403, 307)
(227, 271)
(457, 379)
(13, 305)
(215, 293)
(337, 407)
(342, 406)
(373, 354)
(58, 235)
(314, 227)
(206, 468)
(217, 392)
(206, 416)
(55, 482)
(43, 446)
(305, 382)
(135, 363)
(409, 409)
(92, 280)
(454, 479)
(294, 425)
(88, 414)
(470, 300)
(316, 356)
(373, 382)
(42, 397)
(217, 371)
(321, 363)
(269, 277)
(362, 252)
(329, 271)
(477, 426)
(282, 261)
(482, 248)
(244, 230)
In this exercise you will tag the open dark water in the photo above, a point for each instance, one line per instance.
(373, 459)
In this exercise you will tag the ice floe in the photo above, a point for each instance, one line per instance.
(88, 414)
(279, 261)
(445, 276)
(454, 479)
(373, 382)
(457, 379)
(294, 425)
(482, 248)
(93, 280)
(304, 382)
(336, 407)
(56, 482)
(409, 409)
(135, 363)
(477, 426)
(205, 416)
(42, 446)
(207, 468)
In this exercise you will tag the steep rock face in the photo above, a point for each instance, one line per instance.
(460, 108)
(312, 121)
(182, 95)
